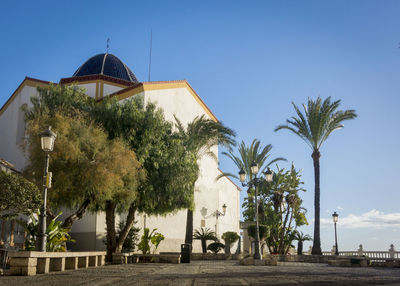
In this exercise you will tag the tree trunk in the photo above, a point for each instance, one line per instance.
(204, 245)
(316, 249)
(111, 235)
(76, 215)
(189, 228)
(227, 248)
(300, 248)
(130, 221)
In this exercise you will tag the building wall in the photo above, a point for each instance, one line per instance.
(12, 128)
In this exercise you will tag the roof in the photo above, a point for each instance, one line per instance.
(237, 187)
(157, 85)
(106, 64)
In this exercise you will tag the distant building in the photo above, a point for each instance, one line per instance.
(106, 75)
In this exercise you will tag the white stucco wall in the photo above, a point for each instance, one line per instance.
(108, 89)
(12, 128)
(90, 89)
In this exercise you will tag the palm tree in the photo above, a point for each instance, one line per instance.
(204, 235)
(300, 237)
(199, 137)
(247, 155)
(319, 120)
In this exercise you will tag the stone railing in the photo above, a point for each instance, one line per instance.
(127, 258)
(30, 263)
(391, 254)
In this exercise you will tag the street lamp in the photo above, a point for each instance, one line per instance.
(335, 217)
(217, 214)
(47, 139)
(255, 182)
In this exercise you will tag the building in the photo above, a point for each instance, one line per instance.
(106, 75)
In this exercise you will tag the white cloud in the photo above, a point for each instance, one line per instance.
(340, 208)
(371, 219)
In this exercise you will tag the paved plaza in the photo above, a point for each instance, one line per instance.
(213, 273)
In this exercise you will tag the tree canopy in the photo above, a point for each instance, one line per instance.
(17, 195)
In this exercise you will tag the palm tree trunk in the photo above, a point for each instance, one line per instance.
(189, 228)
(204, 245)
(316, 249)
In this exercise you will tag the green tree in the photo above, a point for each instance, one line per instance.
(319, 120)
(229, 238)
(17, 195)
(204, 234)
(171, 171)
(199, 136)
(90, 170)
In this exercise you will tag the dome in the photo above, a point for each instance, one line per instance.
(106, 64)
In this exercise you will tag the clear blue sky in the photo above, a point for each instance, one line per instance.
(248, 60)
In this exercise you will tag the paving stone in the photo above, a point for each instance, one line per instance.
(213, 273)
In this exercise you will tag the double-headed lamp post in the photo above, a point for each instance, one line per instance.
(255, 182)
(335, 217)
(47, 143)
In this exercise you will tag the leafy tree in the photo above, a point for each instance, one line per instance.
(57, 236)
(229, 237)
(300, 237)
(203, 235)
(199, 136)
(17, 195)
(216, 246)
(91, 171)
(319, 120)
(171, 171)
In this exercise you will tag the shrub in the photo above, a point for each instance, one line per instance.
(215, 246)
(229, 237)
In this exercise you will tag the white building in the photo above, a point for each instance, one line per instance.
(105, 75)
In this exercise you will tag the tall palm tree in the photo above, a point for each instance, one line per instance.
(319, 120)
(199, 137)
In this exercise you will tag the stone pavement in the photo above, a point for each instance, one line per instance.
(213, 273)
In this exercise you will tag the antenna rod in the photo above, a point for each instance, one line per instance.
(108, 44)
(151, 44)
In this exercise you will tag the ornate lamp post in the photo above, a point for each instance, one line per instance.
(217, 214)
(47, 142)
(335, 217)
(254, 183)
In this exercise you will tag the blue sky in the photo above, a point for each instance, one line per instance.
(249, 60)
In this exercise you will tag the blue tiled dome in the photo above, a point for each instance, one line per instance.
(106, 64)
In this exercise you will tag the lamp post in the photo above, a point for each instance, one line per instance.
(47, 143)
(217, 215)
(254, 183)
(335, 217)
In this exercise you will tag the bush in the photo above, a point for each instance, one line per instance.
(229, 237)
(215, 246)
